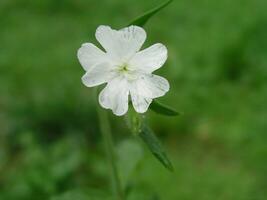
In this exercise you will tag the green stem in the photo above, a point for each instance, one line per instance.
(109, 147)
(134, 121)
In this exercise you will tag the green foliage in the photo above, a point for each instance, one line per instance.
(139, 127)
(50, 145)
(162, 109)
(154, 146)
(142, 20)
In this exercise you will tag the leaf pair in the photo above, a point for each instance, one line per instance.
(137, 124)
(141, 21)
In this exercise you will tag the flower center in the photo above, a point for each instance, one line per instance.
(124, 68)
(126, 71)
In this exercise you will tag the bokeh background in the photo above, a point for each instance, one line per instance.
(50, 144)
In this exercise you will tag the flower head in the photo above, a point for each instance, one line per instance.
(125, 68)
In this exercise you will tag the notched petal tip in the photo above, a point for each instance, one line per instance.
(84, 80)
(119, 114)
(103, 100)
(141, 106)
(163, 51)
(80, 52)
(102, 28)
(89, 55)
(115, 97)
(151, 58)
(167, 85)
(136, 29)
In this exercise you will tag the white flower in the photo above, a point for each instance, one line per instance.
(126, 70)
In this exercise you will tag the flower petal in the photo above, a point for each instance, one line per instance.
(115, 96)
(150, 59)
(97, 75)
(140, 102)
(145, 88)
(89, 55)
(121, 44)
(157, 85)
(132, 38)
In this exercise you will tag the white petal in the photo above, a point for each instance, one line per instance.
(115, 96)
(89, 55)
(157, 85)
(140, 102)
(150, 59)
(106, 37)
(144, 89)
(121, 44)
(97, 75)
(132, 38)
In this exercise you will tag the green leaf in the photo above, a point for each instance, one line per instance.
(155, 147)
(142, 20)
(163, 109)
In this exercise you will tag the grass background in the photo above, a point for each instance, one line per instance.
(50, 145)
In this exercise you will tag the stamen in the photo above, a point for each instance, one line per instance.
(123, 68)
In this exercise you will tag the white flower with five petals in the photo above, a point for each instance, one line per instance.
(125, 68)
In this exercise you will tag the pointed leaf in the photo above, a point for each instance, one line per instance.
(163, 109)
(154, 146)
(141, 20)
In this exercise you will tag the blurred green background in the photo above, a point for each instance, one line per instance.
(50, 145)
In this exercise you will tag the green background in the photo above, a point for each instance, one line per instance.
(50, 145)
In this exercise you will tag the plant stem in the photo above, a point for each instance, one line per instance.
(109, 147)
